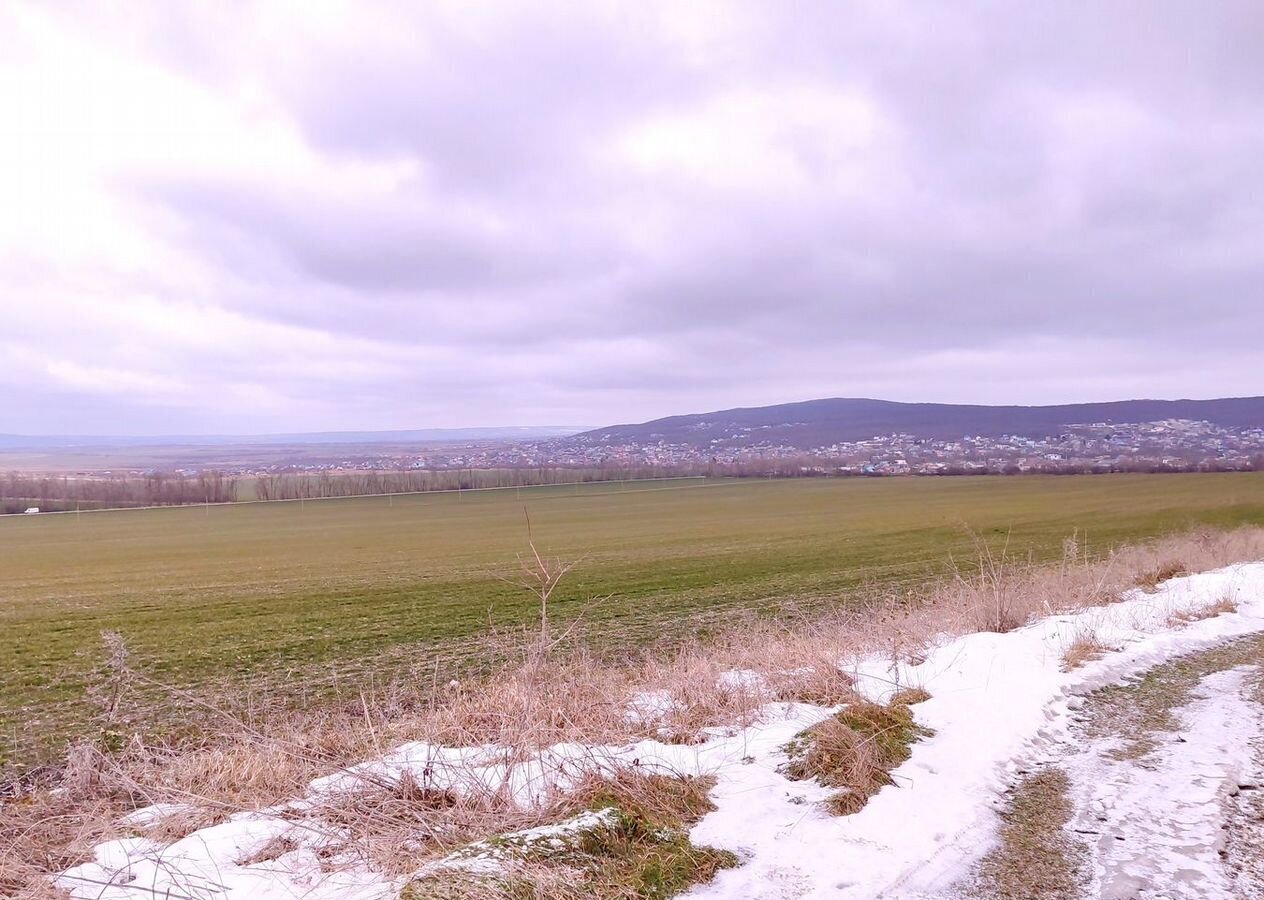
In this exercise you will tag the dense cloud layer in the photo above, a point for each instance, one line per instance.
(232, 217)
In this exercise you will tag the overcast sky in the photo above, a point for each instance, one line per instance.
(224, 217)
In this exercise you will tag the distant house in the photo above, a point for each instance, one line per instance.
(32, 510)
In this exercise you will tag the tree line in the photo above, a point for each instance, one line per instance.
(320, 485)
(19, 491)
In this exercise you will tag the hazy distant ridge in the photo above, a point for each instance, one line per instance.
(818, 423)
(495, 433)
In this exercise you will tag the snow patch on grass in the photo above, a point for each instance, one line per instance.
(490, 857)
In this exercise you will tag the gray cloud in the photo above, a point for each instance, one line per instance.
(444, 215)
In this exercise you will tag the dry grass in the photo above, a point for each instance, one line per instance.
(42, 835)
(855, 750)
(397, 824)
(1036, 858)
(547, 691)
(172, 826)
(272, 849)
(1150, 579)
(633, 859)
(1084, 647)
(910, 696)
(999, 592)
(1226, 604)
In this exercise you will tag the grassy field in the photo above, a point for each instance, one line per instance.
(290, 595)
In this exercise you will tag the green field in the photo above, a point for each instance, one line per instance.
(289, 594)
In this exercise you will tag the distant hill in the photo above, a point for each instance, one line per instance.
(819, 423)
(427, 435)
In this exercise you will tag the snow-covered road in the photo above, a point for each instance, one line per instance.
(1000, 703)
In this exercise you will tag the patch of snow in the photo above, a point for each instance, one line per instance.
(489, 858)
(649, 707)
(204, 866)
(148, 815)
(1244, 818)
(742, 680)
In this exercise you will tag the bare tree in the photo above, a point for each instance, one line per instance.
(540, 576)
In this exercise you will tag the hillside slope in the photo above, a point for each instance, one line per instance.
(815, 423)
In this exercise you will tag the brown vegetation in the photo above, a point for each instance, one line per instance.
(1150, 579)
(1000, 593)
(1036, 857)
(1226, 604)
(855, 750)
(61, 492)
(1084, 648)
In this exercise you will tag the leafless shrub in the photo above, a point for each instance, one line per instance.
(540, 577)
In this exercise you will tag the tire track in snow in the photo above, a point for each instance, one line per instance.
(1156, 824)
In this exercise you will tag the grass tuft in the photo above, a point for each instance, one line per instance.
(1226, 604)
(910, 696)
(856, 749)
(1083, 649)
(1150, 579)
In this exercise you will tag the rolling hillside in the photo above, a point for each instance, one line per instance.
(816, 423)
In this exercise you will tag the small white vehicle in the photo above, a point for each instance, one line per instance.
(31, 510)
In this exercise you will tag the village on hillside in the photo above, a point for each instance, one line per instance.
(1170, 445)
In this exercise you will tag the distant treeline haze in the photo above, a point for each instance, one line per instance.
(60, 492)
(19, 491)
(311, 486)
